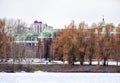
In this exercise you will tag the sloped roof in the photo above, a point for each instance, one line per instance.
(47, 32)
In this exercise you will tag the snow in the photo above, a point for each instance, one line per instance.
(43, 61)
(45, 77)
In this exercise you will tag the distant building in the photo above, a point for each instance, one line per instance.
(39, 38)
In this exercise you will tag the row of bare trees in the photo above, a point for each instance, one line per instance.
(74, 43)
(80, 43)
(8, 30)
(10, 51)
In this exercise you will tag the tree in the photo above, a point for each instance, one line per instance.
(57, 46)
(81, 42)
(75, 43)
(116, 46)
(16, 27)
(3, 40)
(106, 44)
(65, 44)
(98, 44)
(91, 45)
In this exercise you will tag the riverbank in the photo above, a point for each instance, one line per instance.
(59, 68)
(78, 68)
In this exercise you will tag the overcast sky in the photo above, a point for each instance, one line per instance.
(58, 13)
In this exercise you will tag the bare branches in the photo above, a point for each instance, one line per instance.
(77, 43)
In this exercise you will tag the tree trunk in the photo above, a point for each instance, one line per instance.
(98, 61)
(71, 60)
(90, 63)
(81, 63)
(104, 63)
(81, 57)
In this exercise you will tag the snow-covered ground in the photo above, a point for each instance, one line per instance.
(44, 77)
(43, 61)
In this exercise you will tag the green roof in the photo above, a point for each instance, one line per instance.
(47, 32)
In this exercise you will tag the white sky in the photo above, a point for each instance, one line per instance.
(58, 13)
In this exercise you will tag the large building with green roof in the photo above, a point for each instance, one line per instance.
(39, 36)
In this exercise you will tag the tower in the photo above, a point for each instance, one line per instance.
(103, 24)
(38, 26)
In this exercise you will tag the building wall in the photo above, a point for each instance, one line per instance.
(44, 47)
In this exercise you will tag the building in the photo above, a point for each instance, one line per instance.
(39, 38)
